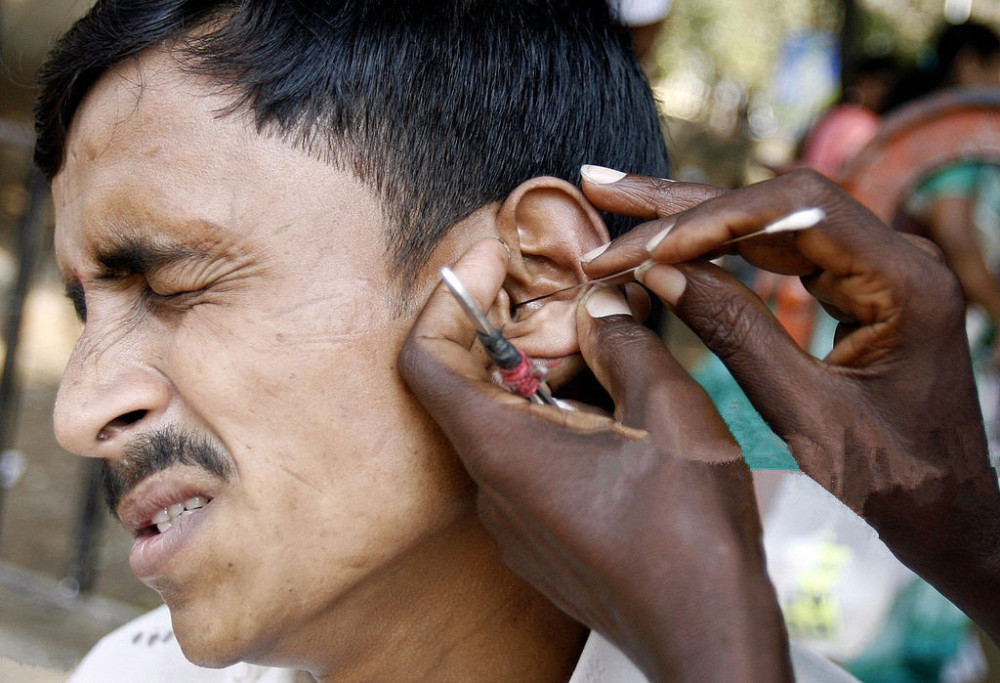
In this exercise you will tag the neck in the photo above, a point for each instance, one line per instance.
(452, 611)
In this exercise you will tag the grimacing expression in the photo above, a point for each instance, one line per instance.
(236, 295)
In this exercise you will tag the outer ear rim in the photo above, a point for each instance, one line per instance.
(548, 224)
(519, 225)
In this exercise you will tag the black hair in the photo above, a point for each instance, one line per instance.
(883, 68)
(971, 36)
(952, 41)
(442, 106)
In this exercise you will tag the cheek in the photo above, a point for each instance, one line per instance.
(274, 350)
(290, 380)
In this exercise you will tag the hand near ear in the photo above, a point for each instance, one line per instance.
(644, 526)
(889, 421)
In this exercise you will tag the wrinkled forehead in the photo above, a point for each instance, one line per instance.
(147, 101)
(153, 149)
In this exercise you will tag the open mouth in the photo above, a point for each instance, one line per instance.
(168, 516)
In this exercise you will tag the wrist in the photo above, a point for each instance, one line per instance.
(732, 628)
(695, 600)
(953, 544)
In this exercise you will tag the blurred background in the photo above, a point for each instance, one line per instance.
(740, 82)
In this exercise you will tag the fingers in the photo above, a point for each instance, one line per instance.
(436, 352)
(482, 269)
(654, 199)
(779, 378)
(651, 390)
(847, 237)
(641, 196)
(498, 435)
(851, 261)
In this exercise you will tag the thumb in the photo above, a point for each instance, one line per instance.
(650, 389)
(780, 379)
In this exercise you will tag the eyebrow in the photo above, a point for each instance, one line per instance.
(134, 255)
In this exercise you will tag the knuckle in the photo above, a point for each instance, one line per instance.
(624, 347)
(725, 323)
(926, 246)
(930, 288)
(808, 180)
(661, 185)
(937, 292)
(623, 340)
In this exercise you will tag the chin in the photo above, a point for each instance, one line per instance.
(209, 642)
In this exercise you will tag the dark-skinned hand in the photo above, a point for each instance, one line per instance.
(889, 421)
(641, 525)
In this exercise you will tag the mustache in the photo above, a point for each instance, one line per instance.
(156, 451)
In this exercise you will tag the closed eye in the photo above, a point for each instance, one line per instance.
(172, 299)
(74, 292)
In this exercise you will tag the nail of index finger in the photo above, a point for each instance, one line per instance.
(655, 199)
(647, 198)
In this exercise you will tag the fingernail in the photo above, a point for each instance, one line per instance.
(605, 301)
(600, 175)
(659, 237)
(591, 255)
(504, 244)
(643, 267)
(665, 281)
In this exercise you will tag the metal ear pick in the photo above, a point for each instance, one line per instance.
(518, 372)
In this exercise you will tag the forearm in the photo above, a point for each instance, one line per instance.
(953, 544)
(722, 621)
(746, 640)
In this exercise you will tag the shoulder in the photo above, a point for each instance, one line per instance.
(145, 649)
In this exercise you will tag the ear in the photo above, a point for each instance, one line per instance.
(548, 225)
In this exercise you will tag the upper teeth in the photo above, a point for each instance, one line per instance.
(165, 518)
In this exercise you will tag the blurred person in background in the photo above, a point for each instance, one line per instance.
(848, 126)
(958, 206)
(645, 20)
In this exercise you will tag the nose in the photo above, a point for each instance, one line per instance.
(106, 398)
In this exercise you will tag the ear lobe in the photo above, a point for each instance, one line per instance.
(548, 225)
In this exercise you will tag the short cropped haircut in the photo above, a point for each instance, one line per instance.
(441, 106)
(971, 36)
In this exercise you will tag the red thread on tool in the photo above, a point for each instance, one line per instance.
(524, 379)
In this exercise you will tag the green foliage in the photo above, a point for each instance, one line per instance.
(740, 39)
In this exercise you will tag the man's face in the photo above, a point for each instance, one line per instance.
(238, 295)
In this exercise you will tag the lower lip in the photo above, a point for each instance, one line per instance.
(151, 555)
